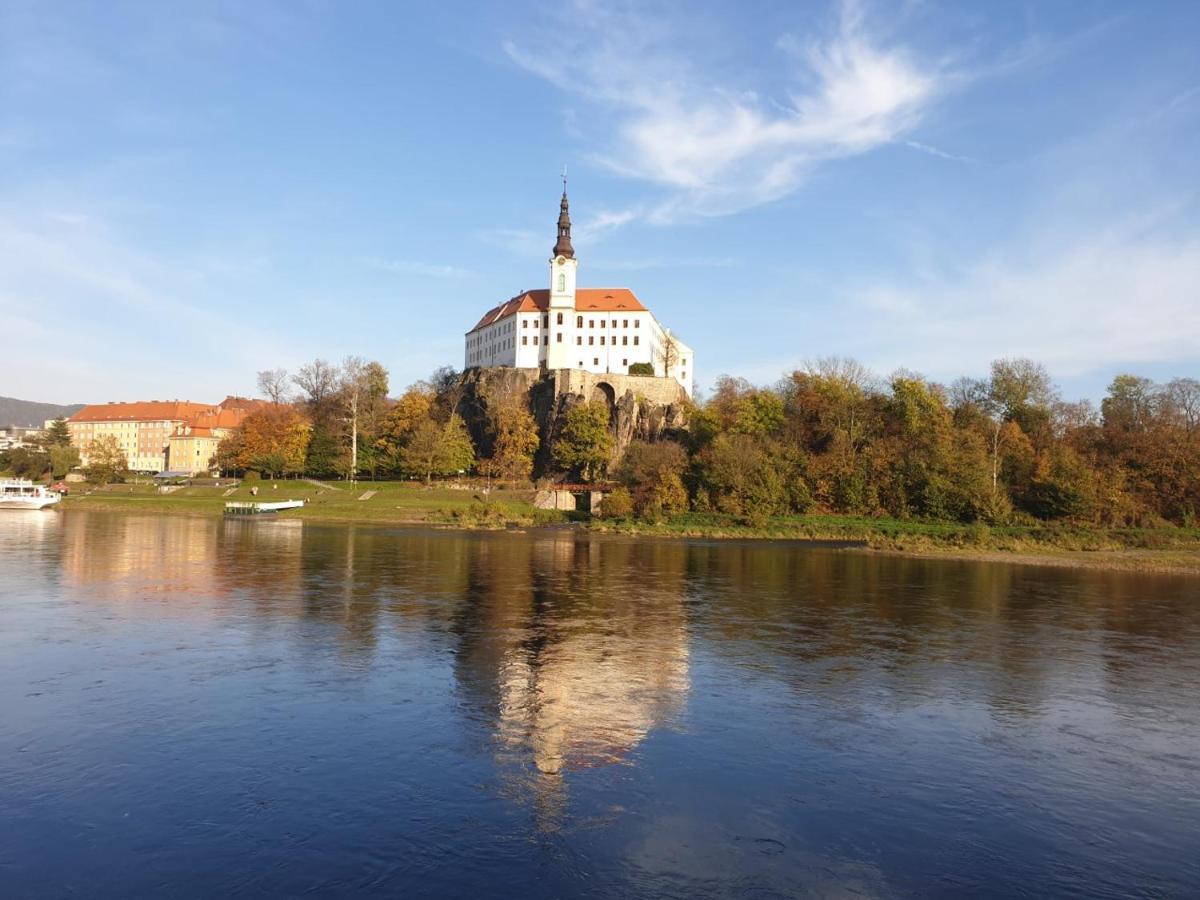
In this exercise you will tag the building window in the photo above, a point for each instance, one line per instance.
(635, 340)
(591, 323)
(603, 322)
(560, 318)
(625, 323)
(525, 323)
(579, 321)
(601, 340)
(562, 282)
(546, 321)
(578, 340)
(535, 343)
(595, 361)
(591, 340)
(624, 362)
(637, 323)
(558, 337)
(624, 339)
(524, 339)
(581, 364)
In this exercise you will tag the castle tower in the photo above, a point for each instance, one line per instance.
(563, 265)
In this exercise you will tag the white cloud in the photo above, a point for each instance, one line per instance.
(717, 148)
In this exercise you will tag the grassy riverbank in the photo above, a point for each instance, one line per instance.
(465, 506)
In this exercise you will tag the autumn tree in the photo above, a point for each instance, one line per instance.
(515, 439)
(400, 422)
(585, 442)
(653, 475)
(106, 460)
(274, 440)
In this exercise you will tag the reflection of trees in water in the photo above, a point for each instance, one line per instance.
(575, 649)
(872, 629)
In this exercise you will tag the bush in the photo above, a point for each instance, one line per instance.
(618, 504)
(251, 477)
(641, 369)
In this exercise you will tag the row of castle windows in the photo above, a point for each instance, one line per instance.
(637, 323)
(579, 340)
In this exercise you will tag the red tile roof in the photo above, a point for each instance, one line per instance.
(140, 411)
(586, 300)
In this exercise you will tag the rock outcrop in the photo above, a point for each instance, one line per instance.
(640, 407)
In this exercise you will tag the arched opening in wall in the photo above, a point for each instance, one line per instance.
(605, 393)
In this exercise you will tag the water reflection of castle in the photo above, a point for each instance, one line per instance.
(573, 654)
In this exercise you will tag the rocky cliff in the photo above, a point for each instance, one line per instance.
(640, 407)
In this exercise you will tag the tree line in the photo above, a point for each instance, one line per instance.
(1005, 449)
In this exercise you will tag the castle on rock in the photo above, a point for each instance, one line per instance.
(596, 330)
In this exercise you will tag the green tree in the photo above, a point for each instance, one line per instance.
(641, 368)
(438, 449)
(585, 442)
(106, 460)
(58, 434)
(741, 479)
(63, 458)
(653, 473)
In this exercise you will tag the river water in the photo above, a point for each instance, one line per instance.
(194, 707)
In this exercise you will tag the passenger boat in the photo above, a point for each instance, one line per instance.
(17, 493)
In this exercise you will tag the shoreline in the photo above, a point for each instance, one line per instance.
(1179, 560)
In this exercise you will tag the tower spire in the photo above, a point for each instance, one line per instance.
(562, 246)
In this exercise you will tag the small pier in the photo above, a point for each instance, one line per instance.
(254, 508)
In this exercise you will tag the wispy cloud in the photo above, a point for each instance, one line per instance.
(934, 151)
(413, 267)
(1125, 296)
(719, 148)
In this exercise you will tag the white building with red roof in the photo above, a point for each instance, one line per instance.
(598, 330)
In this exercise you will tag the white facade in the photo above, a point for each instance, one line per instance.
(599, 330)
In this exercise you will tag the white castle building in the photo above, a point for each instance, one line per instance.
(599, 330)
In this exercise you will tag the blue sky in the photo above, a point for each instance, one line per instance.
(193, 192)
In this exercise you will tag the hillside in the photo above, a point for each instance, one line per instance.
(27, 412)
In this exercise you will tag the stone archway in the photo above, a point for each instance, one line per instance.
(603, 392)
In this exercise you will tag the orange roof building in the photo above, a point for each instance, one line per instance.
(145, 429)
(598, 330)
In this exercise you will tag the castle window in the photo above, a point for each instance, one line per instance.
(591, 340)
(624, 362)
(578, 340)
(562, 282)
(625, 323)
(558, 337)
(601, 340)
(545, 321)
(579, 321)
(525, 323)
(591, 323)
(595, 361)
(635, 340)
(581, 364)
(624, 339)
(603, 322)
(535, 343)
(637, 323)
(560, 318)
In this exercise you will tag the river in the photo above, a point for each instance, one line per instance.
(197, 707)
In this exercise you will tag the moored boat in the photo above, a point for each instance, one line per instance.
(18, 493)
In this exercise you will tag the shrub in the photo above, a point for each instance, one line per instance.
(251, 477)
(641, 368)
(618, 504)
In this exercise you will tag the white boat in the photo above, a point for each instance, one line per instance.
(17, 493)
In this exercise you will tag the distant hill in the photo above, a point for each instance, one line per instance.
(26, 412)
